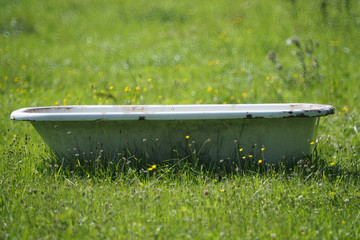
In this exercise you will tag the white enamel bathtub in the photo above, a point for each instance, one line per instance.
(270, 132)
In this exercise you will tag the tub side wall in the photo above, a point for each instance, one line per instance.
(162, 140)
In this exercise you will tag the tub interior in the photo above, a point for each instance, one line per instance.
(180, 108)
(170, 112)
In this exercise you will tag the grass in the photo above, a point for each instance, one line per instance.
(167, 52)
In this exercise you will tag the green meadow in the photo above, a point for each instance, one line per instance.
(56, 53)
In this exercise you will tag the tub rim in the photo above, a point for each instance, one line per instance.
(170, 112)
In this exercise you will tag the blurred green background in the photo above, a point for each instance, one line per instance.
(179, 52)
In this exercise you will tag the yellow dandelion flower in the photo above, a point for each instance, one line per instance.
(343, 222)
(150, 169)
(345, 109)
(312, 143)
(111, 87)
(56, 103)
(222, 35)
(187, 136)
(243, 157)
(244, 95)
(263, 149)
(240, 150)
(250, 156)
(200, 100)
(15, 136)
(334, 43)
(144, 89)
(222, 190)
(153, 166)
(260, 161)
(209, 89)
(332, 164)
(149, 80)
(137, 88)
(23, 67)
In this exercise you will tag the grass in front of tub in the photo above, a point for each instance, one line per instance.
(125, 199)
(164, 52)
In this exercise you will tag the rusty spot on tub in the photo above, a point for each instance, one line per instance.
(141, 118)
(127, 109)
(291, 115)
(294, 107)
(301, 115)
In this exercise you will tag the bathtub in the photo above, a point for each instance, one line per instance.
(268, 132)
